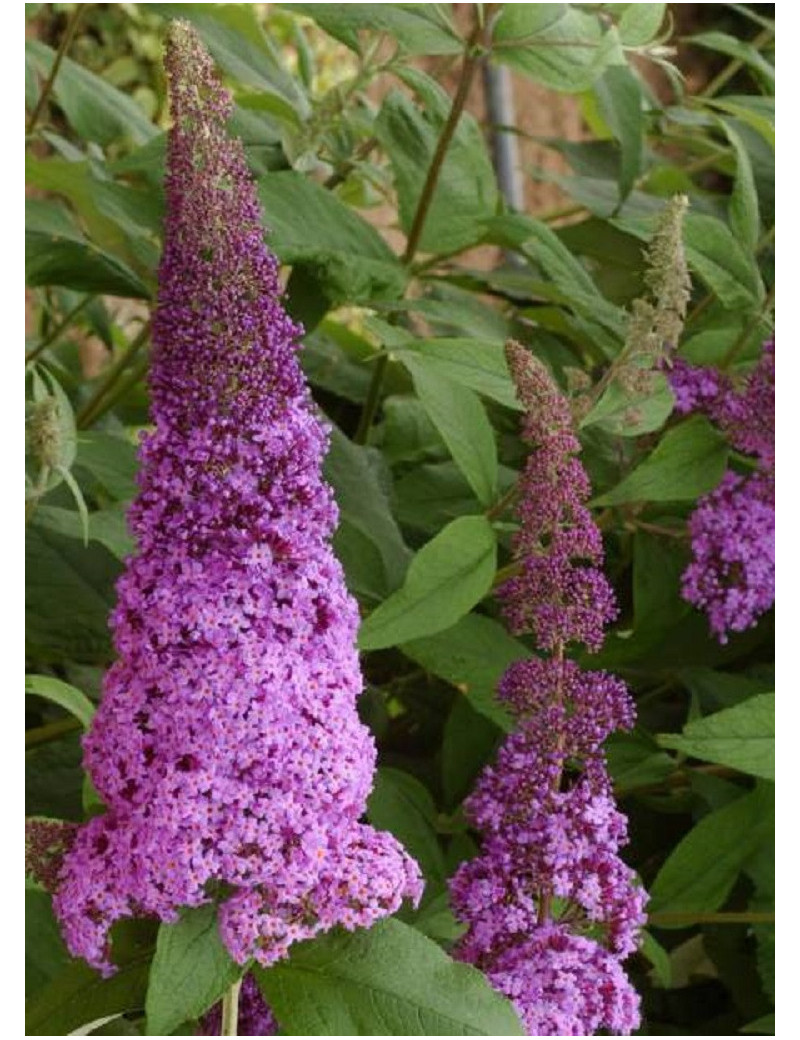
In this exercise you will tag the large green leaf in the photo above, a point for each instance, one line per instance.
(472, 655)
(53, 259)
(45, 954)
(447, 577)
(703, 867)
(459, 416)
(62, 694)
(417, 28)
(69, 593)
(717, 257)
(364, 507)
(620, 97)
(566, 53)
(106, 526)
(387, 981)
(97, 111)
(469, 741)
(78, 996)
(688, 461)
(742, 737)
(475, 363)
(466, 190)
(741, 50)
(309, 226)
(743, 205)
(638, 23)
(191, 970)
(111, 461)
(402, 805)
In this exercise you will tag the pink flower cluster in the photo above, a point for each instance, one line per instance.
(551, 909)
(227, 748)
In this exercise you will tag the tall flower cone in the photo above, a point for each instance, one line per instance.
(551, 910)
(227, 748)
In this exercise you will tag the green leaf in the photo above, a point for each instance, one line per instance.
(466, 191)
(575, 288)
(743, 205)
(742, 737)
(69, 594)
(191, 970)
(743, 51)
(447, 577)
(566, 54)
(619, 95)
(718, 258)
(106, 526)
(62, 694)
(472, 655)
(638, 23)
(634, 760)
(402, 805)
(416, 28)
(74, 264)
(96, 110)
(468, 743)
(477, 364)
(659, 958)
(45, 953)
(688, 461)
(703, 867)
(363, 503)
(309, 226)
(518, 22)
(757, 112)
(112, 461)
(461, 419)
(387, 981)
(78, 996)
(430, 496)
(627, 414)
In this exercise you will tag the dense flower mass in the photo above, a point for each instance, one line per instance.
(227, 748)
(732, 573)
(550, 907)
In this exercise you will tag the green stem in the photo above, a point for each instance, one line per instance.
(730, 70)
(230, 1010)
(58, 330)
(95, 406)
(66, 40)
(667, 918)
(495, 511)
(468, 70)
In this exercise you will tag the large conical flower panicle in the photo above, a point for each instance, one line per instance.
(551, 910)
(227, 748)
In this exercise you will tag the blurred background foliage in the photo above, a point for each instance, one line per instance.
(407, 287)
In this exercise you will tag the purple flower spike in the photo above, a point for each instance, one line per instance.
(549, 875)
(227, 748)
